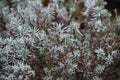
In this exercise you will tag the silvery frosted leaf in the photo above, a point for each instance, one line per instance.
(25, 52)
(100, 53)
(109, 59)
(14, 43)
(56, 1)
(48, 78)
(97, 78)
(99, 69)
(20, 77)
(16, 68)
(60, 79)
(7, 49)
(90, 3)
(114, 53)
(62, 13)
(69, 54)
(48, 14)
(61, 65)
(46, 70)
(60, 48)
(59, 27)
(21, 41)
(76, 53)
(62, 36)
(43, 34)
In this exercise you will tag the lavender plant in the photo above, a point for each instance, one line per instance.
(45, 42)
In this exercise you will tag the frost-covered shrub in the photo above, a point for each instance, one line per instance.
(38, 27)
(46, 42)
(14, 54)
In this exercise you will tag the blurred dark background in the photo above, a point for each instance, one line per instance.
(113, 4)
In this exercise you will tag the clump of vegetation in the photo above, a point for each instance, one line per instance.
(58, 40)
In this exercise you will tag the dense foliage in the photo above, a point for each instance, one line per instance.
(58, 40)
